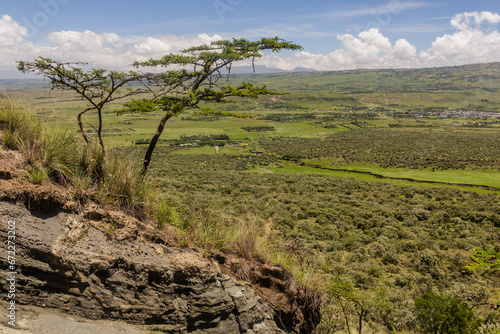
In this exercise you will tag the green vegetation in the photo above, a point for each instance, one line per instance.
(387, 242)
(378, 188)
(69, 161)
(444, 315)
(441, 149)
(487, 259)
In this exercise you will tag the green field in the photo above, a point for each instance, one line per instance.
(381, 181)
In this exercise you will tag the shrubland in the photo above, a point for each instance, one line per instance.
(385, 245)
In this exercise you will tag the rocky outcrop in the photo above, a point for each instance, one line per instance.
(100, 264)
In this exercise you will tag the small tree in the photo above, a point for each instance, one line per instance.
(193, 77)
(97, 86)
(351, 302)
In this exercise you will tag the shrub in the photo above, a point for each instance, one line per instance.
(488, 328)
(247, 238)
(443, 314)
(124, 186)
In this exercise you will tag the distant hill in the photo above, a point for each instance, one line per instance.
(456, 78)
(15, 85)
(475, 77)
(262, 69)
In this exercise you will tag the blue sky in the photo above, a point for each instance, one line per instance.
(335, 34)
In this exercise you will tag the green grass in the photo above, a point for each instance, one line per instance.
(37, 175)
(298, 169)
(489, 178)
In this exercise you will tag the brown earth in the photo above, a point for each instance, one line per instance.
(91, 263)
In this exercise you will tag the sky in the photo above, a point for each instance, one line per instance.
(336, 35)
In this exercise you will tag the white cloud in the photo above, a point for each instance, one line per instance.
(110, 50)
(473, 42)
(11, 32)
(403, 50)
(370, 49)
(464, 21)
(160, 45)
(476, 40)
(151, 46)
(84, 41)
(105, 50)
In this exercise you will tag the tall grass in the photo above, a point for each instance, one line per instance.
(46, 151)
(123, 185)
(66, 159)
(206, 227)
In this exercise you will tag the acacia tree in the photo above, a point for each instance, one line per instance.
(193, 75)
(97, 86)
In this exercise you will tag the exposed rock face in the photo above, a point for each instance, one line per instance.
(67, 263)
(102, 265)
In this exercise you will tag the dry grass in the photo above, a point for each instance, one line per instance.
(83, 168)
(47, 152)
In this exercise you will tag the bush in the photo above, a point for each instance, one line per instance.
(123, 186)
(443, 314)
(489, 328)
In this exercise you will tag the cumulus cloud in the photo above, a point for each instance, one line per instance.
(10, 31)
(370, 49)
(477, 40)
(160, 45)
(474, 20)
(84, 41)
(105, 50)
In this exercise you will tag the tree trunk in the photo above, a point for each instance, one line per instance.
(345, 316)
(99, 132)
(361, 320)
(80, 124)
(152, 144)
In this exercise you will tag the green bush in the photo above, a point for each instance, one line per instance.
(443, 314)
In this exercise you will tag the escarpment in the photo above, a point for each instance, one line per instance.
(102, 264)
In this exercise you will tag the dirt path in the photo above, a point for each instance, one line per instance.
(35, 320)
